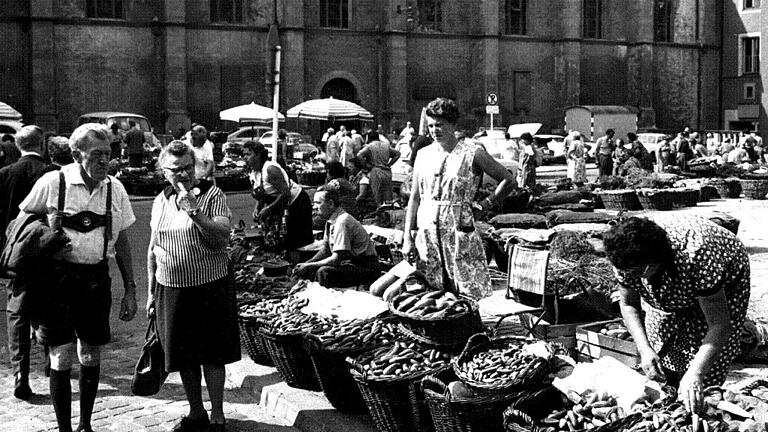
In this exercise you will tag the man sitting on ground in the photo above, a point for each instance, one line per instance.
(348, 256)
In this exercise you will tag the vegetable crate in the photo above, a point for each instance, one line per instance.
(591, 344)
(564, 334)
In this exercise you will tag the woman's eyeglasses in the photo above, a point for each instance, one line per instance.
(179, 170)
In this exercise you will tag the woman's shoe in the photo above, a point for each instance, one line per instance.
(187, 424)
(217, 427)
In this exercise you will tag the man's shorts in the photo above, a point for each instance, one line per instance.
(75, 305)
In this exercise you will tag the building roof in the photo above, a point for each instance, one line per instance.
(606, 109)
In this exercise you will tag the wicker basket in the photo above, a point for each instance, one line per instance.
(483, 413)
(397, 404)
(726, 188)
(707, 192)
(480, 342)
(451, 331)
(685, 197)
(754, 188)
(291, 359)
(656, 199)
(334, 377)
(524, 414)
(620, 200)
(251, 338)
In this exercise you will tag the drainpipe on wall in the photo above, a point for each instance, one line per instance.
(720, 113)
(698, 69)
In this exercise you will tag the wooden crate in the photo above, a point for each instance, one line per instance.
(592, 345)
(564, 334)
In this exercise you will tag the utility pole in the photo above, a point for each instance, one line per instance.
(273, 45)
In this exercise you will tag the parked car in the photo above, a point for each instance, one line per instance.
(298, 145)
(244, 134)
(552, 147)
(651, 141)
(122, 119)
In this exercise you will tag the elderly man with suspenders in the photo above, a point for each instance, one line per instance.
(93, 211)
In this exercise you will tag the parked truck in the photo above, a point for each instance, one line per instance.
(593, 120)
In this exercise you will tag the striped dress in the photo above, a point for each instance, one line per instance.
(183, 259)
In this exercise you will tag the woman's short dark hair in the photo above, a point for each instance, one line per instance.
(335, 169)
(636, 241)
(445, 109)
(257, 148)
(632, 136)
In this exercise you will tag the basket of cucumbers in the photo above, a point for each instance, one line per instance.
(436, 317)
(500, 364)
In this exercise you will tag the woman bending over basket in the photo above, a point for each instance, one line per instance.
(693, 277)
(191, 288)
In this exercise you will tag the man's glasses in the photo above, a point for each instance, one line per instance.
(179, 170)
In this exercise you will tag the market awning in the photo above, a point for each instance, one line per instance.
(250, 113)
(329, 109)
(7, 112)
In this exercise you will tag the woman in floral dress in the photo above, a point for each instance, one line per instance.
(445, 179)
(576, 154)
(693, 279)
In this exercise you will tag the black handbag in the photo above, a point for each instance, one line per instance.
(149, 374)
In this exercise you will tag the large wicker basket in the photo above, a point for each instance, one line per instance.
(656, 199)
(480, 342)
(334, 377)
(290, 356)
(251, 338)
(448, 332)
(685, 197)
(397, 404)
(754, 188)
(625, 199)
(726, 188)
(524, 414)
(449, 414)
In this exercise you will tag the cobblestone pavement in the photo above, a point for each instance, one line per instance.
(116, 408)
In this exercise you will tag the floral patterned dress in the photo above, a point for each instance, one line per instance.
(707, 258)
(451, 252)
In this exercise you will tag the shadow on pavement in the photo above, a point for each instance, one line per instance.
(257, 382)
(254, 426)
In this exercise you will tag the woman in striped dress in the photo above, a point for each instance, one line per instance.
(191, 289)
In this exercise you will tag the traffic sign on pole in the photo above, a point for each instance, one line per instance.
(492, 98)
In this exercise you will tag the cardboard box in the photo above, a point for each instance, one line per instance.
(592, 345)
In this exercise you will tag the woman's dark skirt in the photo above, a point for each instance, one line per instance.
(198, 325)
(299, 222)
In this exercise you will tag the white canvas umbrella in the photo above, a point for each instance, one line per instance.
(249, 113)
(329, 109)
(7, 112)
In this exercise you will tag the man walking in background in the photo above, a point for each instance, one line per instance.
(134, 141)
(16, 180)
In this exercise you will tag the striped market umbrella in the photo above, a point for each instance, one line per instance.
(329, 109)
(249, 113)
(7, 112)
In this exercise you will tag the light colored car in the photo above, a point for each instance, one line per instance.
(122, 119)
(298, 144)
(651, 141)
(552, 147)
(244, 134)
(496, 145)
